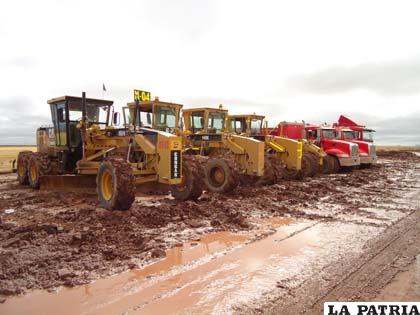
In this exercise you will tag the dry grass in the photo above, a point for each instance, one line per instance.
(8, 154)
(397, 148)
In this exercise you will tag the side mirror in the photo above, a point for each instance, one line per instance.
(149, 119)
(60, 115)
(116, 119)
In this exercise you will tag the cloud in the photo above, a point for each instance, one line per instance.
(387, 78)
(19, 120)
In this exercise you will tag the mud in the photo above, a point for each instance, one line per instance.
(64, 239)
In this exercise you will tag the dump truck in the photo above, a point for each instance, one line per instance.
(82, 149)
(362, 136)
(339, 153)
(287, 149)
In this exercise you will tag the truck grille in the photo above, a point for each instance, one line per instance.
(372, 149)
(354, 150)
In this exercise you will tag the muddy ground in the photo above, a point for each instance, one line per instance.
(50, 239)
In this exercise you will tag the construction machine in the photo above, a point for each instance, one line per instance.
(290, 151)
(221, 159)
(83, 149)
(232, 159)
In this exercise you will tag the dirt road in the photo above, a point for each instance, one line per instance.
(279, 249)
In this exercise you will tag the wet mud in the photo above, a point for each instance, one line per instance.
(51, 239)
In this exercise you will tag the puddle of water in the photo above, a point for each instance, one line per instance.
(74, 300)
(170, 279)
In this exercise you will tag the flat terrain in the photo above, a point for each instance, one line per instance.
(281, 249)
(8, 154)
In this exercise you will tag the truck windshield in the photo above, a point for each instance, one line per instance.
(216, 122)
(329, 133)
(165, 117)
(368, 135)
(349, 135)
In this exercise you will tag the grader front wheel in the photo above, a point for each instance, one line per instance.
(115, 184)
(220, 175)
(191, 185)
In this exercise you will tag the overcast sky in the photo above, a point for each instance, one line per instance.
(290, 60)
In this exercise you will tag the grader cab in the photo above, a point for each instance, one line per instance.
(289, 151)
(231, 158)
(84, 148)
(163, 116)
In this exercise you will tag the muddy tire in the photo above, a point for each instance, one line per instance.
(221, 175)
(307, 165)
(273, 171)
(39, 165)
(115, 184)
(313, 159)
(22, 167)
(191, 187)
(332, 164)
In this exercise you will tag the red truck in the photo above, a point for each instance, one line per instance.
(340, 153)
(351, 131)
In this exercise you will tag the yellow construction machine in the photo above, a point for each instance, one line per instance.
(83, 149)
(286, 149)
(222, 159)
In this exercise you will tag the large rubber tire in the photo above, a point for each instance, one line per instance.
(39, 165)
(22, 167)
(326, 165)
(115, 184)
(269, 176)
(191, 187)
(314, 164)
(221, 175)
(307, 165)
(333, 164)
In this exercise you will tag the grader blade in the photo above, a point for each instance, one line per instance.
(72, 183)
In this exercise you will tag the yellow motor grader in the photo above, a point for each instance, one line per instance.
(220, 158)
(256, 126)
(83, 149)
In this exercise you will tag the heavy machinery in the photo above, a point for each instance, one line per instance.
(221, 159)
(82, 148)
(350, 131)
(290, 151)
(232, 159)
(339, 153)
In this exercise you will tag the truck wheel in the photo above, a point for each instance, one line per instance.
(22, 167)
(115, 184)
(39, 165)
(191, 186)
(220, 175)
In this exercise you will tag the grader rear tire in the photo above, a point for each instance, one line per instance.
(39, 165)
(115, 184)
(313, 160)
(22, 167)
(191, 187)
(307, 166)
(220, 175)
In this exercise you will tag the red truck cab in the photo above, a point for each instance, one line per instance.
(340, 153)
(362, 136)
